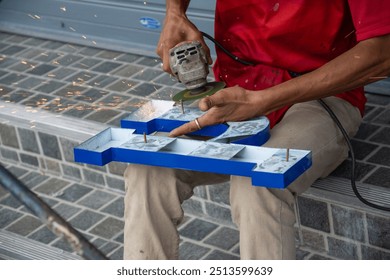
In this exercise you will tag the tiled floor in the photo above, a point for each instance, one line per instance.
(104, 86)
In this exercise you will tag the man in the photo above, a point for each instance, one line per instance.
(333, 47)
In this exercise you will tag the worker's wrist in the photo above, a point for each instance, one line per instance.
(177, 7)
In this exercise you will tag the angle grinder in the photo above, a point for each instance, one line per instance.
(188, 64)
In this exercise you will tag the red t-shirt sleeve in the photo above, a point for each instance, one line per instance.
(371, 18)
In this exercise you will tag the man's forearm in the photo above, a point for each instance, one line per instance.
(367, 62)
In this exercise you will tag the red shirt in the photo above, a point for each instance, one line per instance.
(292, 35)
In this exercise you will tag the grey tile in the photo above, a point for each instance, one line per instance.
(128, 70)
(384, 118)
(382, 136)
(59, 105)
(219, 212)
(122, 85)
(88, 51)
(378, 99)
(106, 67)
(93, 177)
(67, 60)
(319, 257)
(144, 89)
(12, 50)
(29, 53)
(115, 208)
(63, 245)
(29, 159)
(370, 253)
(313, 240)
(43, 235)
(382, 156)
(128, 57)
(86, 219)
(7, 61)
(117, 168)
(37, 100)
(11, 201)
(102, 81)
(193, 207)
(70, 91)
(8, 136)
(8, 216)
(42, 69)
(12, 79)
(354, 229)
(220, 193)
(47, 56)
(380, 177)
(197, 229)
(224, 238)
(22, 66)
(67, 148)
(108, 248)
(113, 100)
(314, 214)
(220, 255)
(52, 165)
(107, 54)
(60, 73)
(109, 228)
(366, 130)
(379, 231)
(5, 90)
(165, 93)
(361, 170)
(74, 192)
(50, 86)
(103, 115)
(17, 96)
(80, 110)
(87, 63)
(81, 78)
(96, 199)
(31, 83)
(114, 183)
(17, 39)
(149, 61)
(168, 80)
(92, 95)
(49, 145)
(9, 154)
(34, 42)
(117, 255)
(148, 74)
(71, 171)
(70, 48)
(53, 45)
(342, 249)
(190, 251)
(17, 171)
(66, 211)
(25, 225)
(53, 187)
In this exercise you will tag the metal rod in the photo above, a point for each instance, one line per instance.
(48, 216)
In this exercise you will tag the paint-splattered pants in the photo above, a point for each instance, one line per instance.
(265, 217)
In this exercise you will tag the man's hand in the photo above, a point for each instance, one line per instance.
(177, 29)
(229, 104)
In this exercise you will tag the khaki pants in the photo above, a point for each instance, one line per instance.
(264, 216)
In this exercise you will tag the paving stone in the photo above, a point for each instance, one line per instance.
(67, 60)
(362, 149)
(37, 100)
(380, 177)
(63, 245)
(383, 136)
(361, 170)
(144, 89)
(49, 145)
(220, 193)
(342, 249)
(58, 105)
(378, 99)
(28, 140)
(7, 61)
(25, 225)
(43, 235)
(71, 171)
(191, 251)
(81, 77)
(50, 86)
(70, 48)
(168, 80)
(117, 168)
(313, 240)
(47, 56)
(88, 51)
(74, 192)
(71, 91)
(314, 214)
(11, 50)
(53, 45)
(117, 184)
(53, 187)
(2, 73)
(106, 67)
(148, 74)
(9, 154)
(384, 117)
(197, 229)
(193, 207)
(23, 66)
(128, 70)
(8, 136)
(115, 208)
(102, 81)
(29, 53)
(12, 79)
(87, 63)
(370, 253)
(42, 69)
(319, 257)
(117, 255)
(67, 148)
(201, 192)
(219, 255)
(93, 177)
(60, 73)
(8, 216)
(86, 219)
(219, 212)
(52, 166)
(103, 116)
(122, 85)
(164, 94)
(382, 156)
(80, 110)
(224, 238)
(17, 39)
(66, 211)
(28, 159)
(17, 96)
(17, 171)
(92, 95)
(97, 199)
(354, 229)
(128, 57)
(379, 231)
(11, 202)
(109, 228)
(149, 61)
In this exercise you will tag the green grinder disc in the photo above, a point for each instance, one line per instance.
(209, 89)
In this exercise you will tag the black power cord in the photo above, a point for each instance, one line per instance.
(332, 115)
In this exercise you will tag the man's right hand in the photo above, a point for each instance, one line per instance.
(177, 29)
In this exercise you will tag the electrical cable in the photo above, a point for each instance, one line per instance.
(335, 119)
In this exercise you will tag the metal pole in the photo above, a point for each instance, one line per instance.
(48, 216)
